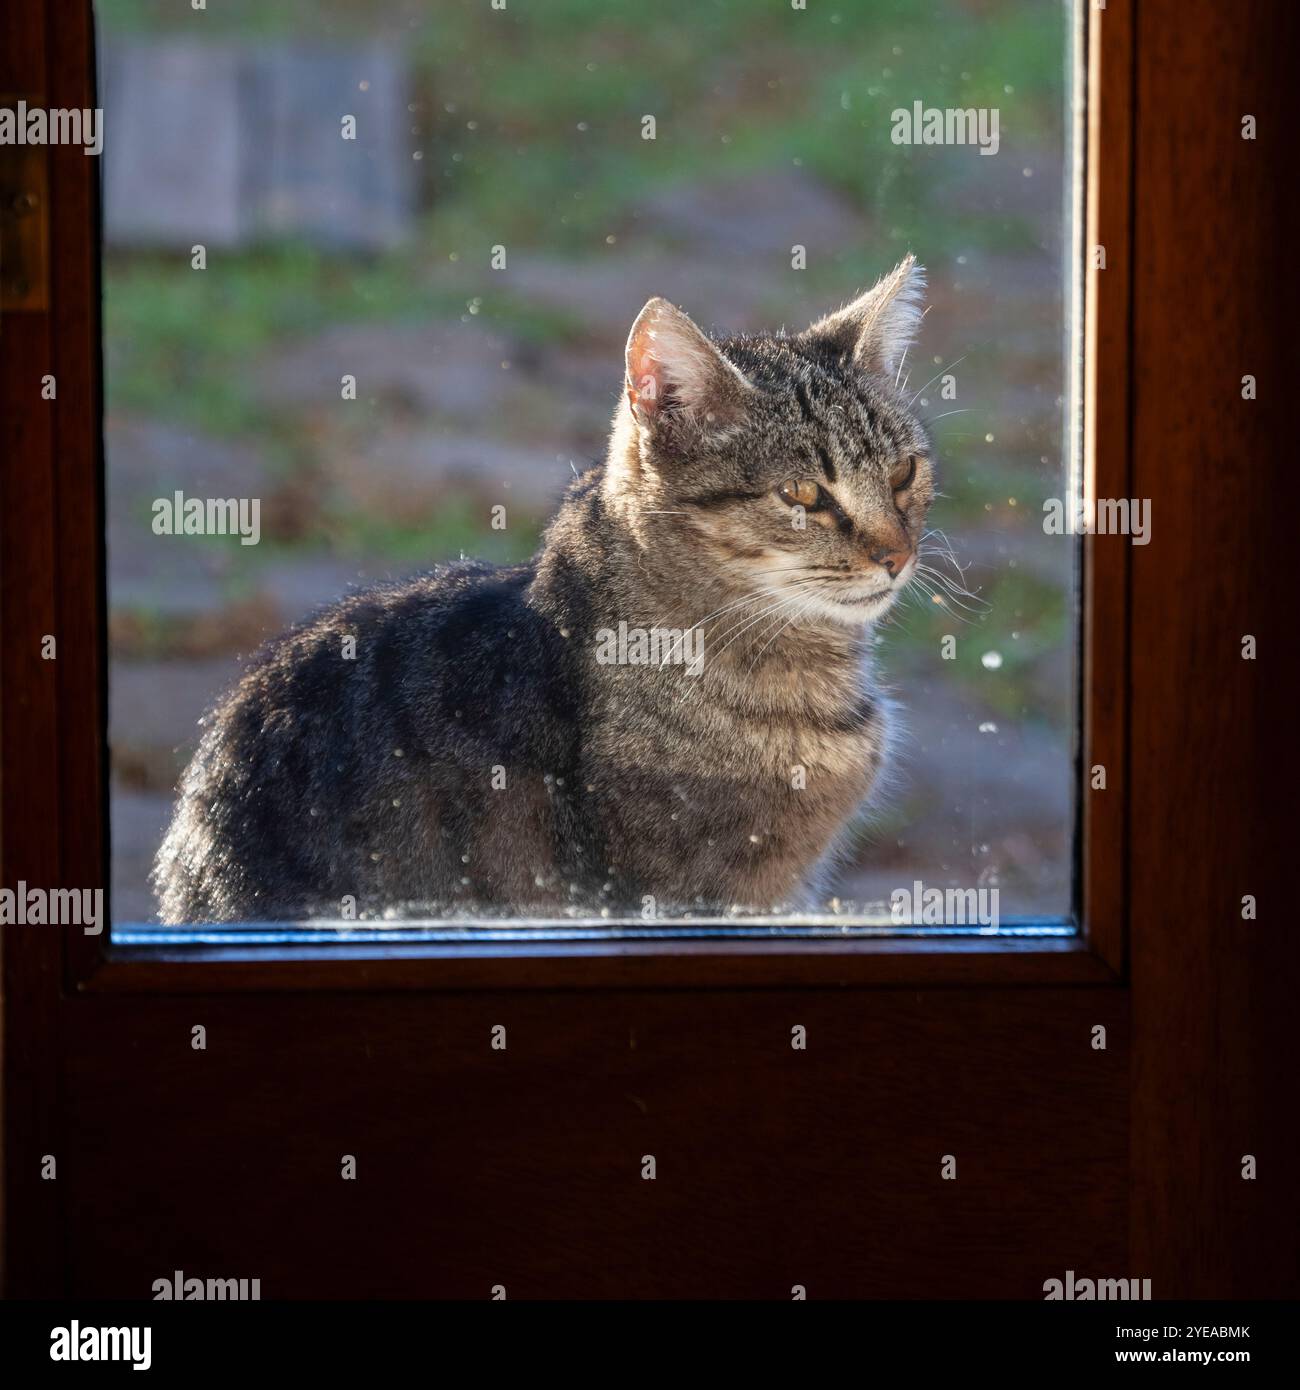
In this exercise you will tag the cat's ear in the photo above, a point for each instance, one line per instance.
(674, 371)
(879, 326)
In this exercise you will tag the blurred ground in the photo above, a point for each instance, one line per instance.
(477, 386)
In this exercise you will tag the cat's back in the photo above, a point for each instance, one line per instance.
(424, 641)
(354, 727)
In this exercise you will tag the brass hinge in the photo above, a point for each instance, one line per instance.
(24, 225)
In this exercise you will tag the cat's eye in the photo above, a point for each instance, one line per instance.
(904, 473)
(801, 492)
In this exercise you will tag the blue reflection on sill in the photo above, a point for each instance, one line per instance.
(414, 931)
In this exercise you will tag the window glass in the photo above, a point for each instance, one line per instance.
(370, 271)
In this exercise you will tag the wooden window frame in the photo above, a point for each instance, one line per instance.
(53, 526)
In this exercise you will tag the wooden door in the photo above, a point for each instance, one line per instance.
(824, 1168)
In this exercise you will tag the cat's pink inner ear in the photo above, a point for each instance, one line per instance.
(670, 360)
(647, 378)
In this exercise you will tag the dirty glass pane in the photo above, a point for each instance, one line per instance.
(369, 272)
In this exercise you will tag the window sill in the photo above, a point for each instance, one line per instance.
(372, 961)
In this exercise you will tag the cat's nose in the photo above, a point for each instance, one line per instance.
(892, 560)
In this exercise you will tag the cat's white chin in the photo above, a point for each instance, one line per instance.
(855, 611)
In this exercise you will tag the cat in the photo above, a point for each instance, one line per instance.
(524, 740)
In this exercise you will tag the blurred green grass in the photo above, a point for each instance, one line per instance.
(737, 85)
(181, 341)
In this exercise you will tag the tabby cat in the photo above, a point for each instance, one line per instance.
(525, 740)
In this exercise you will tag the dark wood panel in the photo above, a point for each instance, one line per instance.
(1106, 471)
(1214, 747)
(792, 963)
(29, 734)
(77, 466)
(522, 1167)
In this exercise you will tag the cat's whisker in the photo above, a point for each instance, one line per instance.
(937, 600)
(947, 581)
(945, 552)
(940, 603)
(775, 623)
(774, 608)
(794, 618)
(951, 597)
(735, 603)
(957, 586)
(922, 581)
(965, 410)
(756, 597)
(947, 367)
(750, 619)
(943, 536)
(748, 601)
(742, 627)
(805, 601)
(942, 552)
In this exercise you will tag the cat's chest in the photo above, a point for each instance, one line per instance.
(767, 804)
(833, 759)
(830, 750)
(830, 730)
(823, 744)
